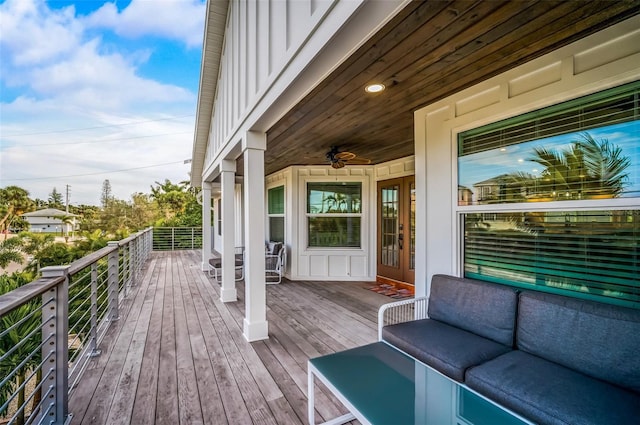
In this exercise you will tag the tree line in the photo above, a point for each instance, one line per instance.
(167, 205)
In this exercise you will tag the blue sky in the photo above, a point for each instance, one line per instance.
(485, 165)
(91, 88)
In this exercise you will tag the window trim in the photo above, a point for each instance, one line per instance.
(304, 192)
(282, 215)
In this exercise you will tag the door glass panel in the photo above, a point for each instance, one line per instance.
(412, 226)
(389, 247)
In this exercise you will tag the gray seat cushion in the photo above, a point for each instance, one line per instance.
(485, 309)
(548, 393)
(597, 339)
(445, 348)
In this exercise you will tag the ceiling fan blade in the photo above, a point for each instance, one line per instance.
(337, 164)
(359, 161)
(345, 156)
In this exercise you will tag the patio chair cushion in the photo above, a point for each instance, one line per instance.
(273, 248)
(597, 339)
(445, 348)
(486, 309)
(548, 393)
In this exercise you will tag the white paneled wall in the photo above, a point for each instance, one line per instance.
(261, 39)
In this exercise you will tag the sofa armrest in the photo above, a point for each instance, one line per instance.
(401, 311)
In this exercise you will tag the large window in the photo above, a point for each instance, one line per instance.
(586, 150)
(334, 214)
(275, 211)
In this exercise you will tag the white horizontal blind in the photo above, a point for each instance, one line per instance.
(614, 106)
(586, 254)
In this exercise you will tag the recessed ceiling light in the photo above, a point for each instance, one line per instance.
(374, 88)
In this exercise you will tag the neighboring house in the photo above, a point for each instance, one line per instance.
(51, 220)
(467, 88)
(465, 195)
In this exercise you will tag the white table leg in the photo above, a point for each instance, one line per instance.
(311, 404)
(311, 392)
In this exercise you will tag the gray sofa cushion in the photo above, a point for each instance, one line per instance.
(445, 348)
(548, 393)
(482, 308)
(599, 340)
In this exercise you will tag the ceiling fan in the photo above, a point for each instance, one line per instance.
(339, 159)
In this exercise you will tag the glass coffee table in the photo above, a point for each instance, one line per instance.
(378, 384)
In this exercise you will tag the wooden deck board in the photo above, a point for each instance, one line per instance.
(178, 355)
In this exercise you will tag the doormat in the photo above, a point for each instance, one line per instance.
(391, 291)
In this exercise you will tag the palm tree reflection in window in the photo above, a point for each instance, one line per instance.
(588, 169)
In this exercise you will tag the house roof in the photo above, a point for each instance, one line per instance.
(49, 212)
(493, 181)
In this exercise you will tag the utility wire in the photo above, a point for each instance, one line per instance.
(93, 128)
(103, 141)
(95, 174)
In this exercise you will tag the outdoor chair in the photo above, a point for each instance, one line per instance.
(274, 262)
(215, 265)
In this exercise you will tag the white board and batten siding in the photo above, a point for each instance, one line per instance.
(274, 53)
(601, 61)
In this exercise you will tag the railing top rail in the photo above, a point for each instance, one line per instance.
(26, 293)
(134, 236)
(127, 240)
(89, 259)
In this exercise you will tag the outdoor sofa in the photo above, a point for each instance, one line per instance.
(550, 358)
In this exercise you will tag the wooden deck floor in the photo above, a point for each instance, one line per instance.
(177, 354)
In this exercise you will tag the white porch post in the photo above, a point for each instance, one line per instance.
(206, 225)
(228, 292)
(255, 321)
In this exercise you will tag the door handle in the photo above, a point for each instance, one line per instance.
(400, 240)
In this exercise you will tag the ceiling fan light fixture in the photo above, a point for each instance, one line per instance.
(374, 88)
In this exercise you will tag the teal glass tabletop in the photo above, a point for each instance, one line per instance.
(387, 387)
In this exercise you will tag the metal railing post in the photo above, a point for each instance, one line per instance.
(173, 238)
(113, 270)
(55, 330)
(133, 264)
(193, 238)
(93, 342)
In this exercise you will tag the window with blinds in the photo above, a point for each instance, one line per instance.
(588, 148)
(275, 212)
(588, 254)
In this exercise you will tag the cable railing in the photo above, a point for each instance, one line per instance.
(50, 328)
(177, 238)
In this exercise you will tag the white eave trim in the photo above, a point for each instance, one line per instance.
(215, 24)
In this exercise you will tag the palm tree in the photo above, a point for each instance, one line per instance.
(10, 251)
(67, 221)
(14, 201)
(589, 169)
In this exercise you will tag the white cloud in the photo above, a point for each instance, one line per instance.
(32, 34)
(64, 77)
(175, 19)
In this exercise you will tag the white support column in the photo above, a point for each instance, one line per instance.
(228, 292)
(255, 321)
(206, 225)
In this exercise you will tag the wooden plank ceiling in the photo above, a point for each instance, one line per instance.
(432, 49)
